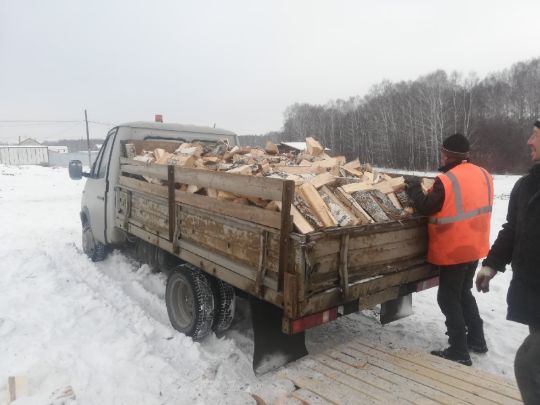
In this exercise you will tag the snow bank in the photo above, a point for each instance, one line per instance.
(102, 328)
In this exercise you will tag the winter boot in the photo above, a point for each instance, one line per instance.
(477, 344)
(451, 354)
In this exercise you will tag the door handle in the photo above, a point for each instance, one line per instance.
(101, 198)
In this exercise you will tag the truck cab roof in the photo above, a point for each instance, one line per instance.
(176, 128)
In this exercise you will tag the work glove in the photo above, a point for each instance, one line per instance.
(483, 278)
(410, 183)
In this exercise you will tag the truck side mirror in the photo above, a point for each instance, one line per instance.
(75, 170)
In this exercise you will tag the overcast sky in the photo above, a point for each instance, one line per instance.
(237, 64)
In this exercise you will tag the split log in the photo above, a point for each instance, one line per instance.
(368, 203)
(189, 149)
(313, 147)
(322, 179)
(304, 156)
(341, 160)
(353, 172)
(244, 169)
(280, 175)
(317, 204)
(387, 206)
(341, 216)
(300, 169)
(199, 163)
(353, 164)
(357, 210)
(210, 159)
(266, 168)
(386, 186)
(321, 156)
(395, 201)
(228, 155)
(342, 206)
(368, 177)
(161, 156)
(271, 148)
(302, 224)
(183, 160)
(255, 152)
(404, 200)
(144, 158)
(305, 211)
(243, 159)
(353, 187)
(326, 163)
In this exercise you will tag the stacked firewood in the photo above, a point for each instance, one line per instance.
(330, 191)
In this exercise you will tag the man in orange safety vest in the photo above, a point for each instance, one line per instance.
(459, 209)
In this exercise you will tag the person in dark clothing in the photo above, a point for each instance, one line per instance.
(518, 243)
(459, 207)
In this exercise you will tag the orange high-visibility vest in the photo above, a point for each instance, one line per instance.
(459, 232)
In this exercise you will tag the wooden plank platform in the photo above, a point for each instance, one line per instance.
(360, 372)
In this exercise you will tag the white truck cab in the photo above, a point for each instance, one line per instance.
(98, 200)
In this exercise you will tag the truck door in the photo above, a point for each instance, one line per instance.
(96, 188)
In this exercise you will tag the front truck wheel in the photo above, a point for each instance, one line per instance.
(94, 249)
(190, 301)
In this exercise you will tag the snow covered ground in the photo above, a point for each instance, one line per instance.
(102, 328)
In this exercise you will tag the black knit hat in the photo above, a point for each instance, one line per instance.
(537, 123)
(456, 144)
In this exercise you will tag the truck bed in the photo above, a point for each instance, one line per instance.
(256, 250)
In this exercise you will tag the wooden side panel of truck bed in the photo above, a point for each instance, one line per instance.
(255, 249)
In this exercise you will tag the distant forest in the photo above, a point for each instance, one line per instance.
(402, 125)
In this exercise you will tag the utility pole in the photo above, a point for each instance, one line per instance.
(87, 139)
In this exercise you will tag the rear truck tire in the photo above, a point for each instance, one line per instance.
(225, 303)
(190, 301)
(94, 249)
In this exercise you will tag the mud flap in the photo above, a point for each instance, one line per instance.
(395, 309)
(273, 348)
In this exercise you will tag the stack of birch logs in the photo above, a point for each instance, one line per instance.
(330, 192)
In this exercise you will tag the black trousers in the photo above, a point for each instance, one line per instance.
(527, 367)
(459, 306)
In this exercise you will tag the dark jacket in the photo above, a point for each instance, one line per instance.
(518, 242)
(432, 202)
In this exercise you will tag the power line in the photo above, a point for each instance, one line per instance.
(48, 123)
(102, 123)
(39, 121)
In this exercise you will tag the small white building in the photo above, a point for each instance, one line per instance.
(24, 155)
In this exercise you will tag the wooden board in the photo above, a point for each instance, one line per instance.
(263, 187)
(248, 213)
(361, 372)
